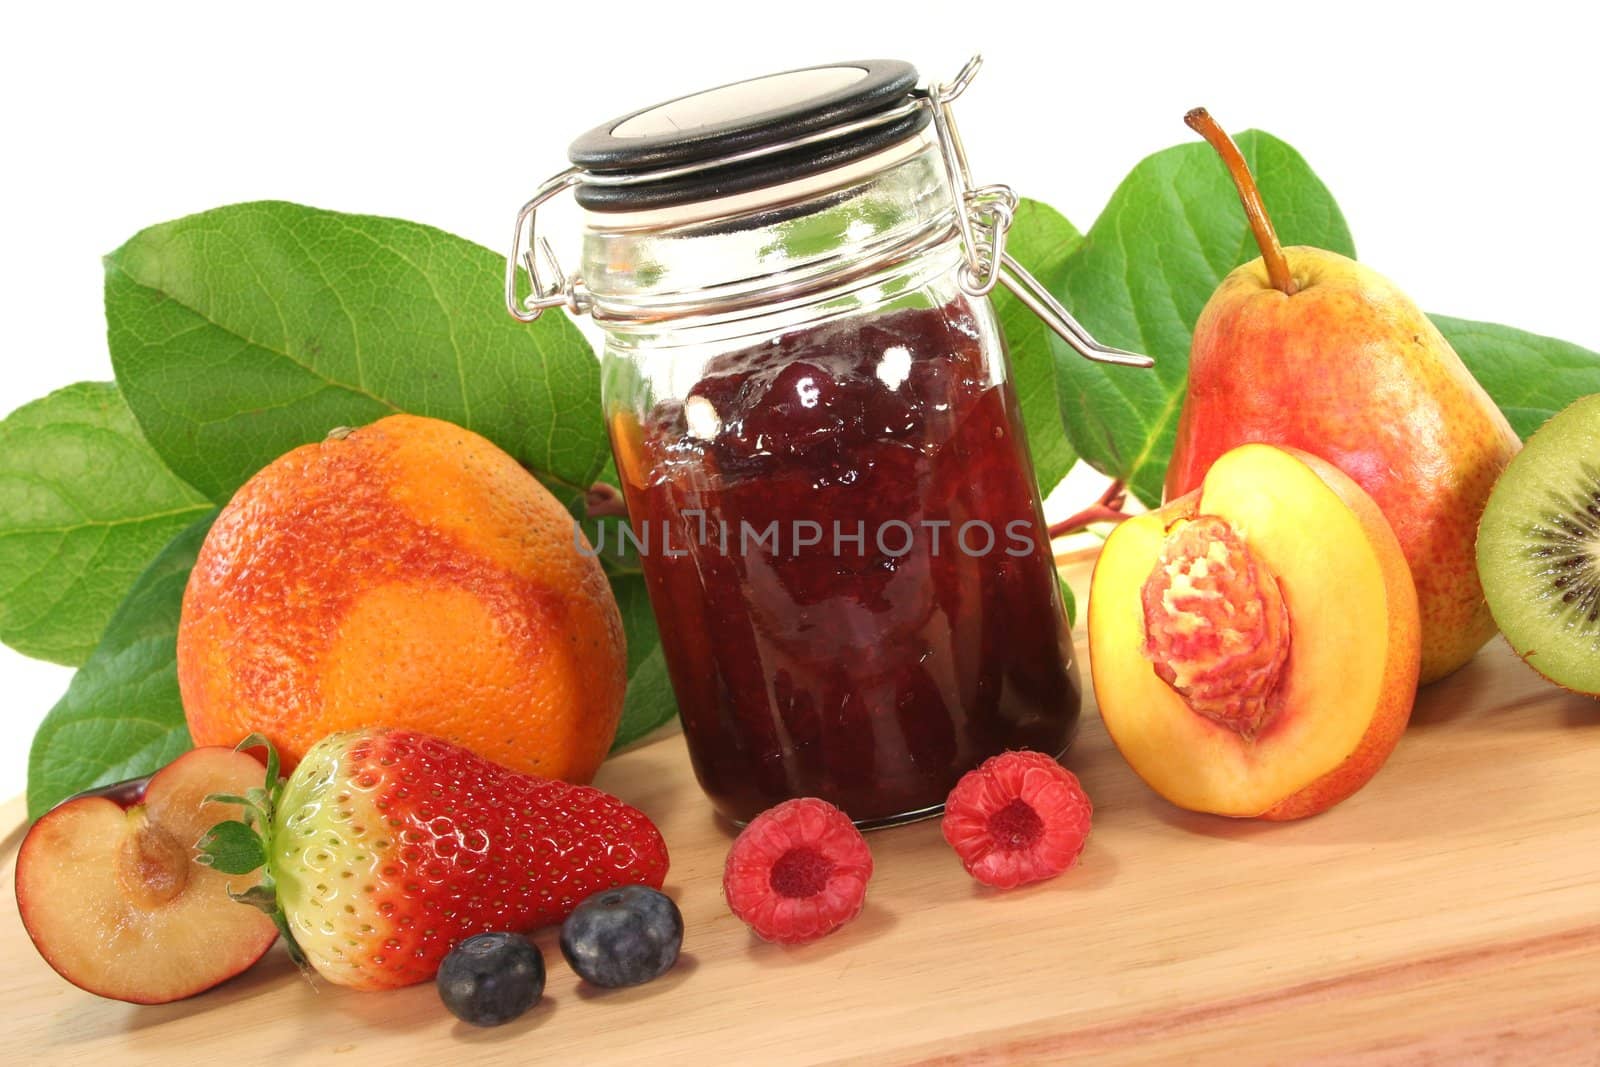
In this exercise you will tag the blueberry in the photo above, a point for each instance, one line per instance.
(491, 979)
(624, 936)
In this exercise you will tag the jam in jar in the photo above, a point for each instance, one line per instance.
(818, 440)
(841, 537)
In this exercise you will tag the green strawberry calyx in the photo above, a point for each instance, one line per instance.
(242, 845)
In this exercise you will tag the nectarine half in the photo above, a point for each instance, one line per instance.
(1254, 643)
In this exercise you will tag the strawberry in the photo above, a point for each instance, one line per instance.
(387, 847)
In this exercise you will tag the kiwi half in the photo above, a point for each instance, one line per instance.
(1539, 549)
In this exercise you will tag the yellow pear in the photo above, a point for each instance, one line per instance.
(1308, 348)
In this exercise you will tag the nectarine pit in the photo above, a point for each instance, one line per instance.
(152, 865)
(1216, 625)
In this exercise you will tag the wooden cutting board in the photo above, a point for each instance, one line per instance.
(1448, 913)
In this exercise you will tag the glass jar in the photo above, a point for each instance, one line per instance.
(818, 439)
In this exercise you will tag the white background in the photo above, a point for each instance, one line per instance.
(1461, 147)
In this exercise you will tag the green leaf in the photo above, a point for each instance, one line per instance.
(262, 897)
(650, 702)
(1173, 230)
(232, 848)
(608, 537)
(1041, 239)
(121, 717)
(1068, 601)
(1529, 376)
(85, 503)
(229, 798)
(257, 739)
(240, 333)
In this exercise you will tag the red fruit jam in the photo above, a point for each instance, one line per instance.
(843, 544)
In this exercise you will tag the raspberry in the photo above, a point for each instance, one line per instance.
(1020, 817)
(798, 871)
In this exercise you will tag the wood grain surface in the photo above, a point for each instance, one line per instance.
(1449, 913)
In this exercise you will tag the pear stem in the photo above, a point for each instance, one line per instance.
(1201, 122)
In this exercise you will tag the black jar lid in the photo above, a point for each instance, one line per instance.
(699, 147)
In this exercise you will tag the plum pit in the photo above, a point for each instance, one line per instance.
(151, 865)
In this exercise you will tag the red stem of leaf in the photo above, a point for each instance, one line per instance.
(604, 500)
(1107, 509)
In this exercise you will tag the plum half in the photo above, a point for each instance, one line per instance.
(113, 899)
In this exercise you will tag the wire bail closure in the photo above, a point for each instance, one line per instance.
(561, 291)
(984, 215)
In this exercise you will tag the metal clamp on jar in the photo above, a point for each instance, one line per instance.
(819, 444)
